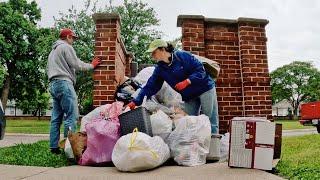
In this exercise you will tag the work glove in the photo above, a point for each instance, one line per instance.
(95, 62)
(182, 85)
(131, 105)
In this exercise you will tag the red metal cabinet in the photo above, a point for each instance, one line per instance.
(310, 110)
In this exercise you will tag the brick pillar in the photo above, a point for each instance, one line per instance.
(222, 46)
(193, 35)
(256, 79)
(110, 49)
(130, 58)
(243, 87)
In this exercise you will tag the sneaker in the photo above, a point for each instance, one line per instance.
(214, 151)
(55, 150)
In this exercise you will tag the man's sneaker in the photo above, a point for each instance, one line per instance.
(214, 151)
(55, 150)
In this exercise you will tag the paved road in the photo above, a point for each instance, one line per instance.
(12, 139)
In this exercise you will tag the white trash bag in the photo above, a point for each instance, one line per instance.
(224, 147)
(161, 124)
(68, 149)
(153, 105)
(166, 95)
(190, 141)
(143, 76)
(138, 151)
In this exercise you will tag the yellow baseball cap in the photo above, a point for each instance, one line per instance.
(157, 43)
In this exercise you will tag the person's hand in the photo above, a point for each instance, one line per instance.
(182, 85)
(95, 62)
(131, 105)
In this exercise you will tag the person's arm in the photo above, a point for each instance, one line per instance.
(74, 62)
(194, 66)
(153, 85)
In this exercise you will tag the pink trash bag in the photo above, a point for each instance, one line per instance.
(102, 134)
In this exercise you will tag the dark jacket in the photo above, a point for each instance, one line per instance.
(184, 67)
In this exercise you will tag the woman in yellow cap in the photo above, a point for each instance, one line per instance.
(186, 74)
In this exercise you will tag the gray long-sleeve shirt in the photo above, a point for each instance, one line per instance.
(63, 62)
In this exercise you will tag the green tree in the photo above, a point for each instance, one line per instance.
(3, 73)
(36, 99)
(296, 82)
(18, 34)
(138, 22)
(35, 107)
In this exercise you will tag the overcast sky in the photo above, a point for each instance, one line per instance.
(293, 31)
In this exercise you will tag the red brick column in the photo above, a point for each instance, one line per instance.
(222, 46)
(110, 49)
(130, 58)
(193, 35)
(243, 87)
(256, 79)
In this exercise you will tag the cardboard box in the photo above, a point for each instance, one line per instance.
(251, 143)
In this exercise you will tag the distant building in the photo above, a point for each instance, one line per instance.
(12, 110)
(282, 108)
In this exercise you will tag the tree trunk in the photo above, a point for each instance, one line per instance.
(5, 92)
(39, 113)
(295, 111)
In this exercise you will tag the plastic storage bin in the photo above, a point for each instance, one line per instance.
(137, 118)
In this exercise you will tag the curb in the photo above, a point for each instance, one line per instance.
(300, 130)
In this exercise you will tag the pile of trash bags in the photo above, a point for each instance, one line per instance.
(176, 135)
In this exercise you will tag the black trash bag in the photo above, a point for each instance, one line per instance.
(125, 91)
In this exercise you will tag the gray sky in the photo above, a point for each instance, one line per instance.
(292, 32)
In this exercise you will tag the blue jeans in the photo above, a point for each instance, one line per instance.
(65, 106)
(209, 106)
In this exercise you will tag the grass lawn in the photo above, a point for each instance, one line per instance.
(292, 124)
(36, 154)
(300, 157)
(30, 126)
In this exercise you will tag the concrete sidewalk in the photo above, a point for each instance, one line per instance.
(299, 132)
(11, 139)
(208, 171)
